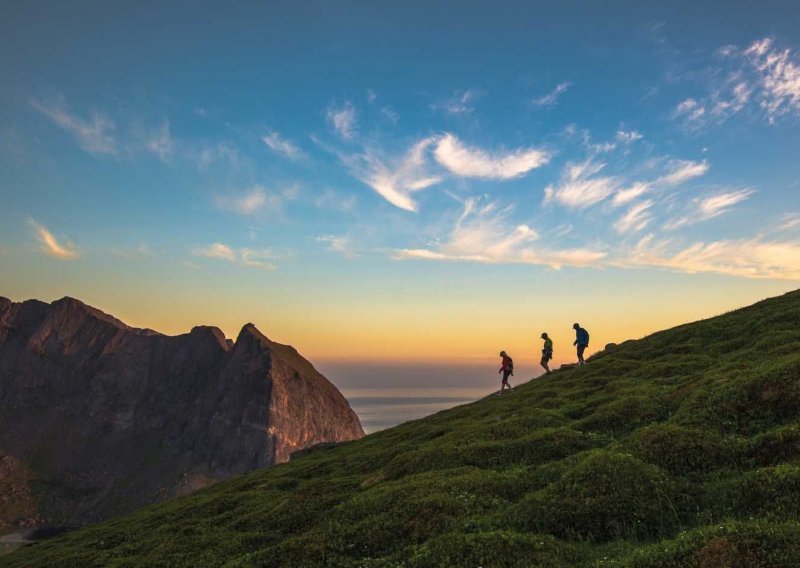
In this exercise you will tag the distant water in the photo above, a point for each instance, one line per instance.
(379, 409)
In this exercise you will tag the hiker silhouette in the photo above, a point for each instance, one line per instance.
(507, 369)
(581, 341)
(547, 352)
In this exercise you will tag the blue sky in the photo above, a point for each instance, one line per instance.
(341, 171)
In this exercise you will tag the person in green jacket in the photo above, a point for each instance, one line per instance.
(547, 352)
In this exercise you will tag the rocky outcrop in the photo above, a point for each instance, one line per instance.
(100, 418)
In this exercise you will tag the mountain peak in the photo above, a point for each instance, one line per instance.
(213, 332)
(69, 300)
(250, 332)
(70, 305)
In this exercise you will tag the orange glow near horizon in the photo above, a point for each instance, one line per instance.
(454, 331)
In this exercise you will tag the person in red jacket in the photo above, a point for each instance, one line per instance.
(507, 368)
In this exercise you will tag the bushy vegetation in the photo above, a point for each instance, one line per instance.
(681, 449)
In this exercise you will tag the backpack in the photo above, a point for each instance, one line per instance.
(510, 364)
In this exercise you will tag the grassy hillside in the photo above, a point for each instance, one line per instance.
(681, 449)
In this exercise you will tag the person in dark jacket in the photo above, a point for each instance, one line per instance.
(507, 368)
(547, 352)
(581, 341)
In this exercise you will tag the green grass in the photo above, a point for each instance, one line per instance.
(681, 449)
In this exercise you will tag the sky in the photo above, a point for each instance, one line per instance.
(400, 186)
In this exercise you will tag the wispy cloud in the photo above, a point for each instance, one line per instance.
(339, 244)
(750, 258)
(636, 219)
(681, 171)
(628, 136)
(337, 200)
(390, 114)
(581, 187)
(257, 258)
(160, 142)
(256, 199)
(628, 194)
(779, 77)
(49, 245)
(551, 98)
(716, 108)
(280, 145)
(206, 154)
(691, 112)
(789, 222)
(245, 204)
(759, 77)
(720, 203)
(396, 180)
(215, 250)
(582, 184)
(705, 208)
(140, 251)
(130, 137)
(94, 134)
(344, 120)
(260, 258)
(467, 161)
(460, 103)
(483, 233)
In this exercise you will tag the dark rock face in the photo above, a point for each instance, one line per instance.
(98, 418)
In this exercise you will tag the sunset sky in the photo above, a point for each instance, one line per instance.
(415, 181)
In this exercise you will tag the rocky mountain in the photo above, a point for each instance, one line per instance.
(98, 418)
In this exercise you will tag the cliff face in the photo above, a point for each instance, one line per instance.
(98, 418)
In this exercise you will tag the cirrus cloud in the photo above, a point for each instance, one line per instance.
(705, 208)
(467, 161)
(396, 180)
(255, 200)
(51, 246)
(278, 144)
(636, 219)
(551, 98)
(251, 257)
(748, 258)
(580, 187)
(761, 79)
(343, 119)
(94, 134)
(483, 233)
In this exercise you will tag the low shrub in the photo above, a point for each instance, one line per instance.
(777, 446)
(500, 548)
(605, 496)
(536, 448)
(624, 414)
(727, 545)
(681, 450)
(769, 492)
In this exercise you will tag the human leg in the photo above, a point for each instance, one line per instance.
(581, 349)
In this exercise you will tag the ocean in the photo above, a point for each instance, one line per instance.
(383, 408)
(388, 393)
